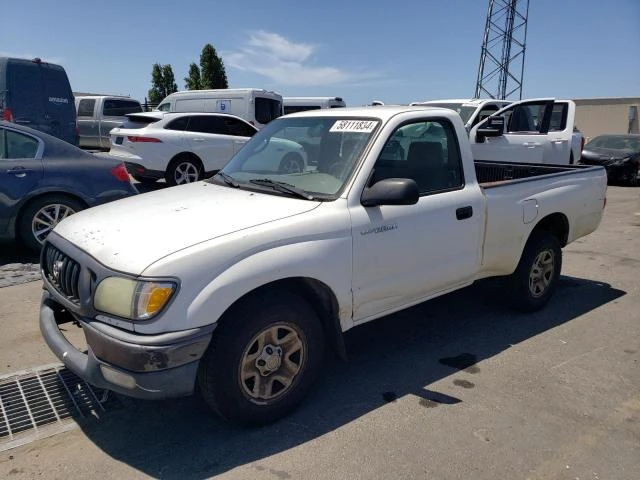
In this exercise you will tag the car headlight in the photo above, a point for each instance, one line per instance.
(133, 299)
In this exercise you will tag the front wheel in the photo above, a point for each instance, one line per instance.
(535, 278)
(263, 360)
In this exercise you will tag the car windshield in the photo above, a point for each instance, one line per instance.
(618, 142)
(313, 155)
(465, 112)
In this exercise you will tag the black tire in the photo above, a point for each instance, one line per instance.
(184, 169)
(231, 386)
(145, 180)
(291, 163)
(535, 278)
(41, 215)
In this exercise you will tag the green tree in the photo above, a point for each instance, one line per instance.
(212, 71)
(162, 82)
(193, 81)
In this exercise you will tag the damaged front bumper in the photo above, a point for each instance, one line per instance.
(140, 366)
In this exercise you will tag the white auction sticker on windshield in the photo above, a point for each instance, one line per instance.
(360, 126)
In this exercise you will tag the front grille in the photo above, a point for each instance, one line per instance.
(63, 272)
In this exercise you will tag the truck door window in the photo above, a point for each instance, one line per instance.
(486, 111)
(527, 117)
(558, 117)
(86, 106)
(426, 152)
(119, 108)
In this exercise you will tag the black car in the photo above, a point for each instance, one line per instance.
(44, 180)
(618, 154)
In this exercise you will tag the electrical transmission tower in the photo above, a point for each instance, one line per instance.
(502, 56)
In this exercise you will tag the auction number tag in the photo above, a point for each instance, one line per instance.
(359, 126)
(223, 106)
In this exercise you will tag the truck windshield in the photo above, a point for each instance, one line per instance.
(315, 155)
(465, 112)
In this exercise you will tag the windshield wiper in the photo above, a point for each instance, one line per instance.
(228, 179)
(283, 187)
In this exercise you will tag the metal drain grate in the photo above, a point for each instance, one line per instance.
(42, 402)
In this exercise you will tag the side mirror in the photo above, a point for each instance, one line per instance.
(493, 127)
(391, 191)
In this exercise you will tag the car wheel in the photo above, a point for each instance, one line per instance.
(263, 359)
(145, 180)
(291, 163)
(41, 215)
(183, 169)
(535, 278)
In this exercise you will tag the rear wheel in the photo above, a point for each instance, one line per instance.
(184, 169)
(41, 216)
(263, 360)
(535, 278)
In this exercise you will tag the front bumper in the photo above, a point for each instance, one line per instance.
(140, 366)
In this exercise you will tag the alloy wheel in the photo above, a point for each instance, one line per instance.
(47, 218)
(186, 172)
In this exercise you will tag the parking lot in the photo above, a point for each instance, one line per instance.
(459, 387)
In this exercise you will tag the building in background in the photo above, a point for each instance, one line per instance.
(597, 116)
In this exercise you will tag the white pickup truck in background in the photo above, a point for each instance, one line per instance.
(537, 131)
(240, 282)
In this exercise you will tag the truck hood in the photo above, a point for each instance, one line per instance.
(130, 234)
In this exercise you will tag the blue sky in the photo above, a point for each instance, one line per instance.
(396, 52)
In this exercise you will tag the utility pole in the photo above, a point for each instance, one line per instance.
(501, 65)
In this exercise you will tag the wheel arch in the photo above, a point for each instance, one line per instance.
(318, 294)
(555, 223)
(190, 155)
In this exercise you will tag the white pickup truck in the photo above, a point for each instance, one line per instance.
(240, 282)
(536, 131)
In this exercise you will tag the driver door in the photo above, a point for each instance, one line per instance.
(402, 254)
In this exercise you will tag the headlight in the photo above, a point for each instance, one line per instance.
(133, 299)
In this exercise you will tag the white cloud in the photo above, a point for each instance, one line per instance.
(288, 63)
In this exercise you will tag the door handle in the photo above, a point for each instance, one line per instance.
(19, 171)
(560, 141)
(464, 212)
(531, 144)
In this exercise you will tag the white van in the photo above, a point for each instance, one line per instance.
(300, 104)
(256, 106)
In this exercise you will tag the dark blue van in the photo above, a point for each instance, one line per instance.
(37, 94)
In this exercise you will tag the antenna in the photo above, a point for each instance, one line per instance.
(503, 46)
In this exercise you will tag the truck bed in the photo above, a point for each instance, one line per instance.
(493, 174)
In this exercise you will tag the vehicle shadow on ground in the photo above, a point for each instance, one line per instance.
(393, 357)
(14, 252)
